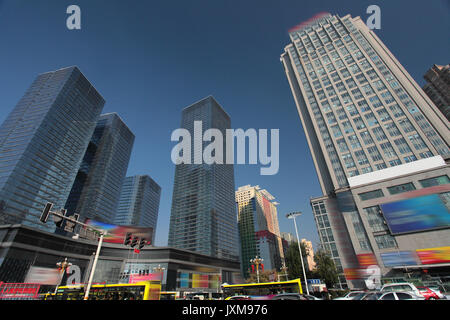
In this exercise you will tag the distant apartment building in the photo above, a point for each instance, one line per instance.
(42, 144)
(289, 237)
(203, 213)
(139, 203)
(258, 228)
(438, 87)
(96, 190)
(380, 147)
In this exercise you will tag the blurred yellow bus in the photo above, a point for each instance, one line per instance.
(265, 289)
(145, 290)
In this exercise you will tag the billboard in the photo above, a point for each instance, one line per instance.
(116, 234)
(49, 276)
(416, 214)
(398, 258)
(434, 255)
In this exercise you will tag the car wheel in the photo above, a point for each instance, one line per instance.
(431, 298)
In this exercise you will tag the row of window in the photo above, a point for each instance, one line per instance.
(426, 183)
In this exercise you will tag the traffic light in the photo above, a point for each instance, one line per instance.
(46, 212)
(127, 240)
(59, 220)
(134, 242)
(142, 243)
(70, 225)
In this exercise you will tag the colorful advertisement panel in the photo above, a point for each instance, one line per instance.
(366, 259)
(401, 258)
(134, 278)
(434, 255)
(184, 280)
(416, 214)
(116, 234)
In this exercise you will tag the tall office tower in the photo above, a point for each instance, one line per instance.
(438, 87)
(96, 190)
(139, 203)
(203, 214)
(375, 138)
(42, 143)
(258, 228)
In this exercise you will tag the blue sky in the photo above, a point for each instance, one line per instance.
(150, 59)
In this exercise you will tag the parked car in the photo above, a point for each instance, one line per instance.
(428, 293)
(401, 287)
(311, 297)
(238, 298)
(373, 296)
(289, 296)
(349, 296)
(439, 290)
(397, 295)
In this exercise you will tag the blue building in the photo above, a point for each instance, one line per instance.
(203, 214)
(96, 191)
(139, 203)
(42, 143)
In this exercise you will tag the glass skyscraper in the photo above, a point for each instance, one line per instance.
(371, 130)
(42, 143)
(139, 203)
(96, 190)
(203, 214)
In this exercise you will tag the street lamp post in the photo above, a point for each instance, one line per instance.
(159, 270)
(63, 267)
(292, 215)
(257, 261)
(91, 277)
(284, 269)
(58, 218)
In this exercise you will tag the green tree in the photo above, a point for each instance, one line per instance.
(264, 276)
(293, 261)
(325, 268)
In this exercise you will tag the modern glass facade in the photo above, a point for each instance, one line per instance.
(42, 143)
(96, 191)
(139, 203)
(203, 214)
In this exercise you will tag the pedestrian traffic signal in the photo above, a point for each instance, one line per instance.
(134, 242)
(142, 243)
(46, 212)
(127, 240)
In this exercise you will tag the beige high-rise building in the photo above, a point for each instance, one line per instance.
(380, 147)
(259, 232)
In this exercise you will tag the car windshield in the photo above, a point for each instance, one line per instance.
(373, 296)
(359, 296)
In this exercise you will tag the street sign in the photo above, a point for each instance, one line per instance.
(88, 234)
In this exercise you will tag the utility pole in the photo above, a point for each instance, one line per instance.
(292, 215)
(58, 218)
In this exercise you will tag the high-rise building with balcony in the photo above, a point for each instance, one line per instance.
(438, 87)
(259, 232)
(139, 203)
(376, 138)
(42, 143)
(203, 214)
(96, 191)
